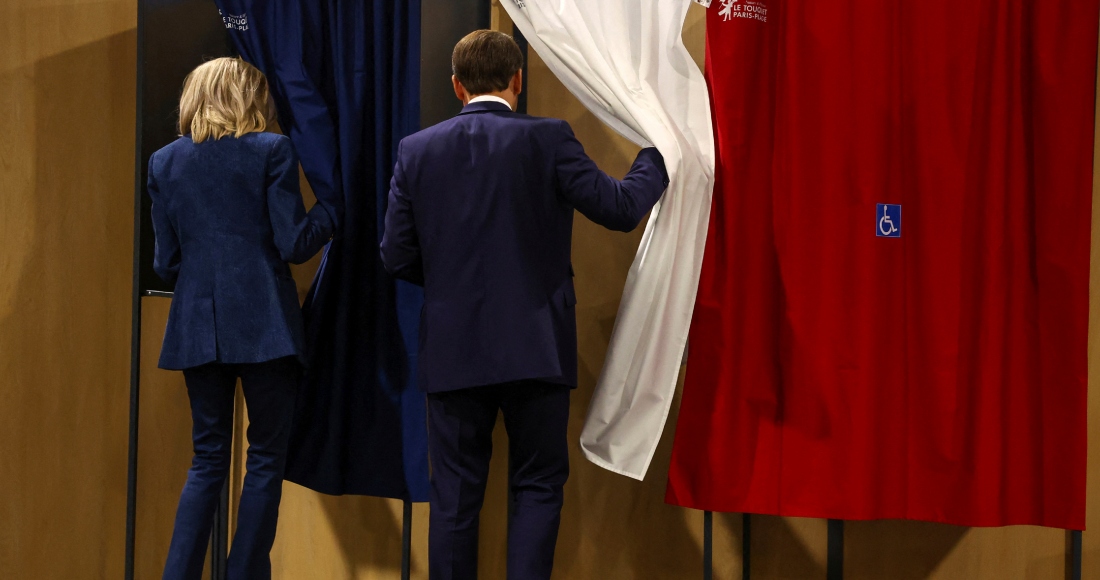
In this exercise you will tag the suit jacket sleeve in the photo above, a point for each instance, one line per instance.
(400, 244)
(166, 256)
(298, 235)
(614, 204)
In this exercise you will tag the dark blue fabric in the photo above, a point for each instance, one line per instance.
(346, 79)
(269, 390)
(481, 213)
(460, 427)
(228, 216)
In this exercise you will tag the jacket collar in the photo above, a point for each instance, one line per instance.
(485, 107)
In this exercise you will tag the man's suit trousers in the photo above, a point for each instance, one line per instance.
(460, 444)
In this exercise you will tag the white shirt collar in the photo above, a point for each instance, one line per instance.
(490, 98)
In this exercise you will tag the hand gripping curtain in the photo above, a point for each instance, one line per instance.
(346, 81)
(626, 61)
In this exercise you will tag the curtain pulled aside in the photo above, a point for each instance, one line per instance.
(345, 77)
(626, 62)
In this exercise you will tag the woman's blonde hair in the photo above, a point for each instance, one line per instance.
(225, 96)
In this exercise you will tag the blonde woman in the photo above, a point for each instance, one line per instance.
(228, 216)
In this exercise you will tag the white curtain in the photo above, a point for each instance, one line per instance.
(626, 61)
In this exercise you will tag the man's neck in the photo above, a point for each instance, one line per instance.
(506, 96)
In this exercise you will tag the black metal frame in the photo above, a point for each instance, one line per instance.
(135, 319)
(406, 540)
(834, 565)
(521, 106)
(1074, 553)
(746, 546)
(708, 545)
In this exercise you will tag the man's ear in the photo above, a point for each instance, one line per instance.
(517, 82)
(460, 91)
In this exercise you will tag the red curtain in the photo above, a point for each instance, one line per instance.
(937, 372)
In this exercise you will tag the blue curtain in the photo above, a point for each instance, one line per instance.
(345, 75)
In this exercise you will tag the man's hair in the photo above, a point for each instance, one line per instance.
(226, 96)
(485, 61)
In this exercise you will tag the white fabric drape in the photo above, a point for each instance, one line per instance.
(626, 61)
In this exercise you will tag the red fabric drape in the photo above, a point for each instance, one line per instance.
(937, 376)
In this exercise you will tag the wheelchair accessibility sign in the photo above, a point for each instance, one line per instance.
(888, 221)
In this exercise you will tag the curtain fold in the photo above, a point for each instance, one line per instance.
(345, 77)
(626, 62)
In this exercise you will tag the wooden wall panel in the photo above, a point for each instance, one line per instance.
(164, 450)
(66, 191)
(346, 537)
(905, 550)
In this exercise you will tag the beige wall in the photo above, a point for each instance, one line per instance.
(66, 180)
(164, 450)
(67, 70)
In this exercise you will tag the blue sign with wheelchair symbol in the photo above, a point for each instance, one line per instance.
(888, 221)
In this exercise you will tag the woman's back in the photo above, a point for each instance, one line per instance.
(216, 192)
(229, 216)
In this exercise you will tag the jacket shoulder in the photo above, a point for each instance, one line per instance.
(543, 126)
(423, 136)
(166, 154)
(266, 141)
(267, 138)
(172, 148)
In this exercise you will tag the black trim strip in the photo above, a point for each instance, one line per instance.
(135, 312)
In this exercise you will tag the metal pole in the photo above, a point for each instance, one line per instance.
(406, 541)
(135, 318)
(835, 565)
(746, 546)
(1074, 551)
(708, 545)
(132, 457)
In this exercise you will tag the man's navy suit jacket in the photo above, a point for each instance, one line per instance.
(228, 216)
(481, 213)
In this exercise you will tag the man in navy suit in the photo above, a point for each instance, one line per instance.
(481, 213)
